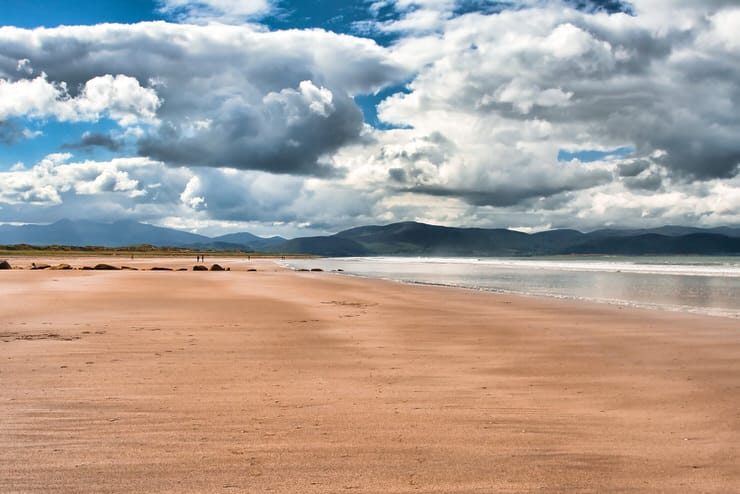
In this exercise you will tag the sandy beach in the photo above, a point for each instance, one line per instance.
(282, 381)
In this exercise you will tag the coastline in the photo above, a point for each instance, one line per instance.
(303, 382)
(731, 313)
(678, 309)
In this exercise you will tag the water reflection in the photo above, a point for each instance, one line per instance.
(707, 289)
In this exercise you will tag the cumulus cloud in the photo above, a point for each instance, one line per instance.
(119, 98)
(256, 127)
(511, 89)
(230, 95)
(46, 182)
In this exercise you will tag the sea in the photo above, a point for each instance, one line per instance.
(697, 284)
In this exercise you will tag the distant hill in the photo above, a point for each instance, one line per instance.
(419, 239)
(332, 246)
(410, 238)
(82, 232)
(397, 239)
(668, 230)
(126, 233)
(652, 243)
(246, 238)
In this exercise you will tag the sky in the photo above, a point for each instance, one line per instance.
(309, 117)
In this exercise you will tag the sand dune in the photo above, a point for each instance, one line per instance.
(279, 381)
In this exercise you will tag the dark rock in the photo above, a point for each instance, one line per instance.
(251, 269)
(105, 267)
(157, 268)
(302, 269)
(5, 265)
(182, 269)
(129, 268)
(217, 267)
(86, 268)
(317, 270)
(200, 267)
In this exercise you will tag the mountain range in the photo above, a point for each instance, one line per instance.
(127, 233)
(399, 239)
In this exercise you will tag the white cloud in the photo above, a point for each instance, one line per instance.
(24, 65)
(119, 98)
(190, 196)
(45, 183)
(489, 102)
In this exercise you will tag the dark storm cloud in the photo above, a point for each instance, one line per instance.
(284, 136)
(650, 181)
(514, 194)
(632, 168)
(95, 139)
(397, 174)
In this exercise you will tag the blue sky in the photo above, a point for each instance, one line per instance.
(298, 117)
(50, 13)
(335, 15)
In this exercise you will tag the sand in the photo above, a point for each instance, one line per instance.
(278, 381)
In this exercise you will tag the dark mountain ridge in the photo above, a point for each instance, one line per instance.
(655, 244)
(397, 239)
(410, 238)
(125, 233)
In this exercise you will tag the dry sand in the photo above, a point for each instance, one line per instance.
(276, 381)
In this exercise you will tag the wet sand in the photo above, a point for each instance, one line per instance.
(280, 381)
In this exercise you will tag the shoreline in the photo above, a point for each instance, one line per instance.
(287, 381)
(564, 299)
(679, 309)
(277, 260)
(186, 261)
